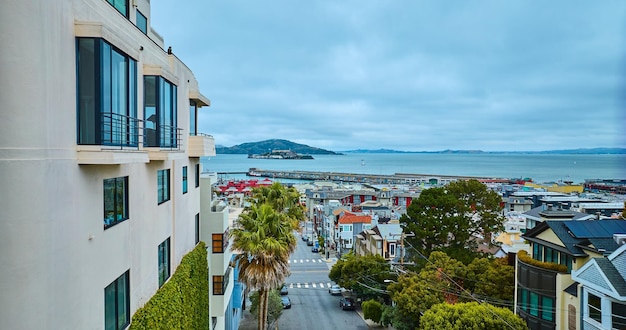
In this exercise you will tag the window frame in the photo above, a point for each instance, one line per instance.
(123, 215)
(106, 94)
(160, 112)
(116, 3)
(197, 175)
(120, 289)
(164, 261)
(193, 118)
(143, 27)
(197, 221)
(185, 180)
(163, 185)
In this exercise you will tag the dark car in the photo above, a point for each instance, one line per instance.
(315, 249)
(309, 242)
(286, 302)
(283, 290)
(346, 303)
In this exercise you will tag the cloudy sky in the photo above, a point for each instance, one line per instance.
(406, 74)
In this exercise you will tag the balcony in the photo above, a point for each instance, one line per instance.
(201, 145)
(113, 139)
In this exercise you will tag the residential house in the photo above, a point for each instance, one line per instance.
(603, 289)
(350, 225)
(547, 296)
(550, 212)
(384, 240)
(100, 162)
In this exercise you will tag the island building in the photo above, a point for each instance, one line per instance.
(100, 159)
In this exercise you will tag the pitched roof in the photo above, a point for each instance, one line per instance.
(578, 236)
(353, 218)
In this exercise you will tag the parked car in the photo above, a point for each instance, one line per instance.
(346, 303)
(304, 238)
(286, 302)
(309, 242)
(335, 290)
(315, 249)
(283, 290)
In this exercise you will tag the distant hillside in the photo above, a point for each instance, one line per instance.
(590, 151)
(269, 145)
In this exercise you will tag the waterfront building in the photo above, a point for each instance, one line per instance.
(547, 295)
(100, 163)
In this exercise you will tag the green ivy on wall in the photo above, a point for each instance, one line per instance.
(183, 301)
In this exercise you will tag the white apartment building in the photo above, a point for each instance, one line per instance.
(99, 162)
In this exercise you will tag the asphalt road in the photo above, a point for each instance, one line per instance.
(313, 308)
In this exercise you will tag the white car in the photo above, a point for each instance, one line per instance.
(335, 290)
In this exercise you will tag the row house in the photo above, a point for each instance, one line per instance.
(101, 164)
(384, 240)
(547, 294)
(349, 225)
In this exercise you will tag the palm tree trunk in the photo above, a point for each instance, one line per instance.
(262, 317)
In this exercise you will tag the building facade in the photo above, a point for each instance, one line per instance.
(99, 161)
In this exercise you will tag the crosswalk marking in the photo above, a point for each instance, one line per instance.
(301, 261)
(311, 285)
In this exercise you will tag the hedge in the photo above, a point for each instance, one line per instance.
(183, 301)
(523, 256)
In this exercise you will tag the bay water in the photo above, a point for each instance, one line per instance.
(539, 167)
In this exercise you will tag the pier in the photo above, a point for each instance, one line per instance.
(398, 178)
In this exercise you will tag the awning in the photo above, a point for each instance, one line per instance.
(201, 100)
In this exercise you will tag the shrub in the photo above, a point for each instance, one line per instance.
(372, 310)
(523, 256)
(183, 301)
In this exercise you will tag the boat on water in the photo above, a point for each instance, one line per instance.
(280, 154)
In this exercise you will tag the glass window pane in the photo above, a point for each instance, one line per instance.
(109, 201)
(150, 111)
(86, 69)
(547, 308)
(122, 307)
(142, 22)
(110, 322)
(534, 304)
(595, 307)
(193, 111)
(619, 315)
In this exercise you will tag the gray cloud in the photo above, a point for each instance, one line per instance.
(407, 75)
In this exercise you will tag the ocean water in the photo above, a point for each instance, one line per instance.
(539, 167)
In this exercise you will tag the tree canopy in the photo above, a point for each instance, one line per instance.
(471, 315)
(452, 218)
(365, 275)
(446, 280)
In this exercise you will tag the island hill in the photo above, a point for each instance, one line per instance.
(274, 149)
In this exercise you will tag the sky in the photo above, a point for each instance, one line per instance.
(411, 75)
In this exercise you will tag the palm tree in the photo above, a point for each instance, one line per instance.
(264, 240)
(283, 200)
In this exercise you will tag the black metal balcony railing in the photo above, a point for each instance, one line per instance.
(117, 130)
(120, 130)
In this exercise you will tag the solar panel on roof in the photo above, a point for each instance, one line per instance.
(597, 228)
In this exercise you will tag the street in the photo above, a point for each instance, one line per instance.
(313, 307)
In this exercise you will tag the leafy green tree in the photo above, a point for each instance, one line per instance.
(274, 305)
(365, 275)
(439, 281)
(491, 279)
(470, 316)
(450, 218)
(372, 310)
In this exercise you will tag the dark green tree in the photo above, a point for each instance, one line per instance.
(452, 218)
(366, 276)
(492, 280)
(470, 316)
(372, 310)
